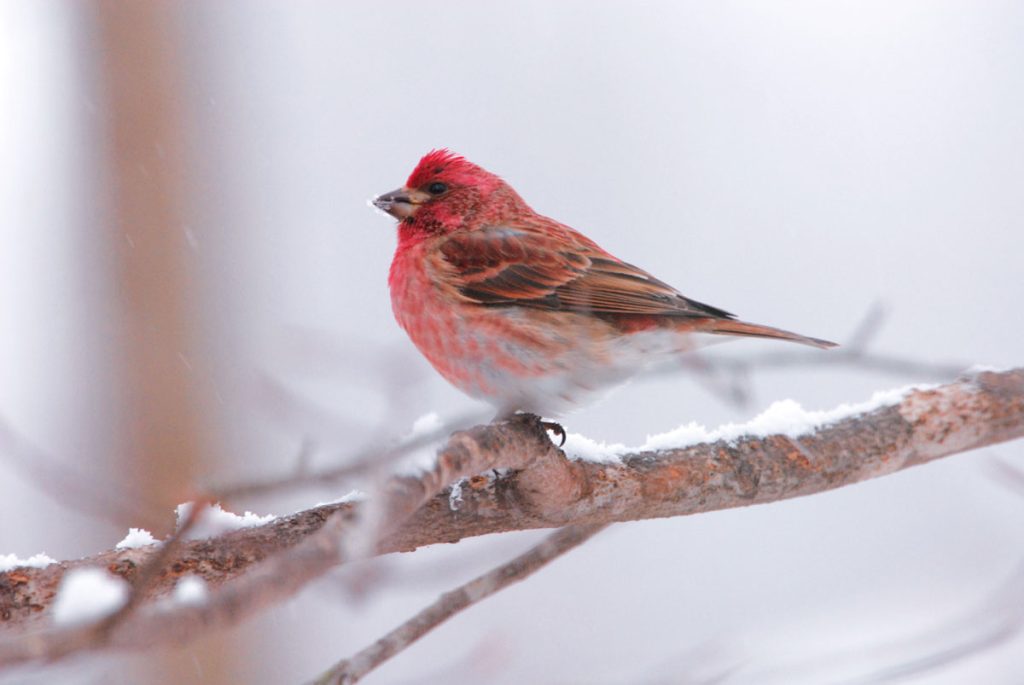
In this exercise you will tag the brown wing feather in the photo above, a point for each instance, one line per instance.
(513, 266)
(753, 330)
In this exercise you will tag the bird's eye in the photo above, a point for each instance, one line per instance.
(436, 188)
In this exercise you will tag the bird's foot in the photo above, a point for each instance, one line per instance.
(555, 428)
(527, 417)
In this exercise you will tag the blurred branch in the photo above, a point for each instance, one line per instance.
(993, 622)
(97, 633)
(265, 565)
(254, 568)
(450, 603)
(1009, 475)
(86, 493)
(988, 624)
(367, 461)
(729, 377)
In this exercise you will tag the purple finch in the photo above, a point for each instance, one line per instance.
(522, 311)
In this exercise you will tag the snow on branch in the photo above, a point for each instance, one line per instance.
(781, 455)
(734, 469)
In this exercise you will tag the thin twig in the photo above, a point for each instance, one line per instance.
(992, 623)
(869, 326)
(353, 669)
(363, 462)
(728, 378)
(987, 625)
(867, 361)
(72, 488)
(1008, 475)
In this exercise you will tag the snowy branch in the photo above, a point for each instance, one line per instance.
(253, 568)
(913, 428)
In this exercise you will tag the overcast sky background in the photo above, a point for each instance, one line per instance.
(791, 162)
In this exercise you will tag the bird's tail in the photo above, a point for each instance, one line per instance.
(753, 330)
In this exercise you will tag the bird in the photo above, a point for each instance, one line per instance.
(525, 312)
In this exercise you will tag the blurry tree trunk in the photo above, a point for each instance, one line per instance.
(163, 436)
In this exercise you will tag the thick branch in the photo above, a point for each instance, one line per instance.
(549, 491)
(924, 425)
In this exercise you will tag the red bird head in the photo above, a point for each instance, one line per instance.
(446, 192)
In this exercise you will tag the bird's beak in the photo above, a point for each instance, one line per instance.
(401, 203)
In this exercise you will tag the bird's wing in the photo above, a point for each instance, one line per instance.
(504, 266)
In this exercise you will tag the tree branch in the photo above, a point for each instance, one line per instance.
(256, 567)
(924, 425)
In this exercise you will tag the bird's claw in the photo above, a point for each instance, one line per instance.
(555, 428)
(529, 418)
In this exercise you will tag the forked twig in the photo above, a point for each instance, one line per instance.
(353, 669)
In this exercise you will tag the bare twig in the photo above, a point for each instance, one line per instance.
(729, 378)
(1009, 476)
(366, 461)
(992, 622)
(869, 326)
(447, 605)
(868, 361)
(72, 488)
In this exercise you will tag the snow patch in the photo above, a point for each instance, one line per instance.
(88, 594)
(215, 521)
(422, 458)
(785, 417)
(191, 591)
(137, 537)
(985, 368)
(12, 561)
(428, 423)
(350, 496)
(419, 460)
(582, 448)
(455, 496)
